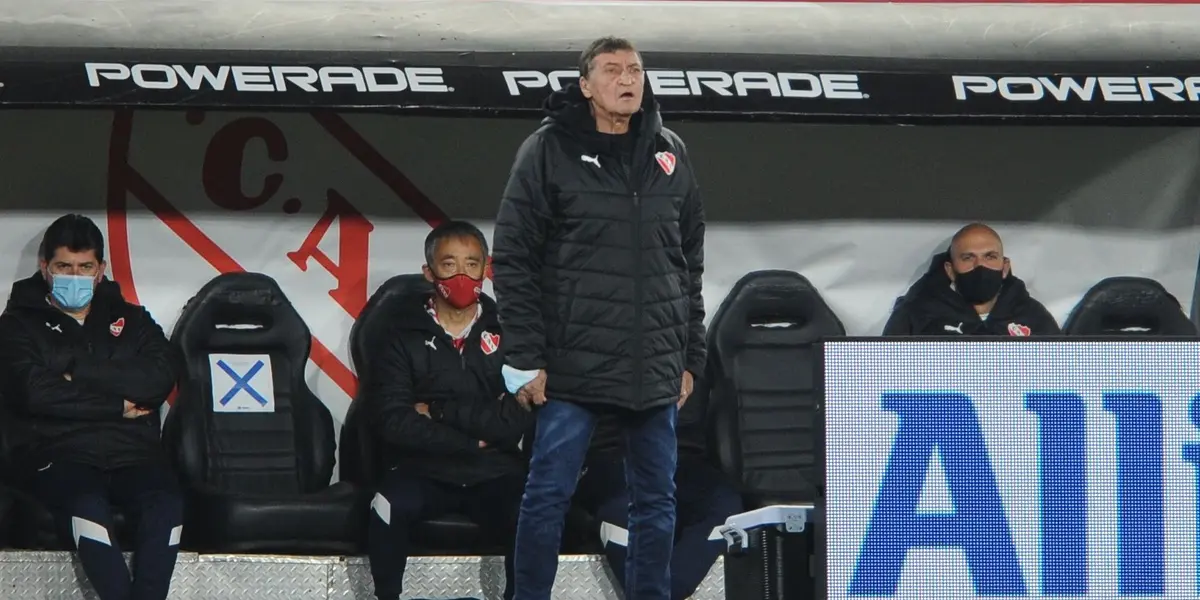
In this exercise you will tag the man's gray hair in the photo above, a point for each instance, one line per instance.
(603, 45)
(452, 229)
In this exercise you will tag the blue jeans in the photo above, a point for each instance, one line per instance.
(704, 499)
(564, 431)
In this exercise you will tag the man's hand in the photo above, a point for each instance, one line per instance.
(685, 388)
(67, 376)
(423, 409)
(133, 411)
(523, 405)
(534, 392)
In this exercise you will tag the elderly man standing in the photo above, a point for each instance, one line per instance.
(599, 252)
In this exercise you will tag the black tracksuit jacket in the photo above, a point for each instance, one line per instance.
(118, 354)
(932, 307)
(465, 392)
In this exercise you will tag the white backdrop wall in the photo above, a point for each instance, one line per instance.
(857, 209)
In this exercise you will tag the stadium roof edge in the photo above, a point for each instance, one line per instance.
(1020, 32)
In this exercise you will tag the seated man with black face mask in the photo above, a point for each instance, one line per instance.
(970, 290)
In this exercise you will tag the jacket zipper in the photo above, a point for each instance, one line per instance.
(462, 357)
(462, 363)
(628, 169)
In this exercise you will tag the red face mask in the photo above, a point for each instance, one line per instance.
(460, 291)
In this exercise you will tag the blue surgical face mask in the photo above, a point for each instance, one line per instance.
(72, 292)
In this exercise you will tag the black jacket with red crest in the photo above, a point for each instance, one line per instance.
(118, 353)
(932, 307)
(599, 258)
(419, 364)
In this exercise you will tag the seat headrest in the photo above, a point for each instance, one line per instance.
(1129, 305)
(372, 321)
(775, 306)
(238, 311)
(938, 261)
(937, 264)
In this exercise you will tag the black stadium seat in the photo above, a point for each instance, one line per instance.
(7, 493)
(763, 356)
(6, 503)
(358, 453)
(253, 445)
(1129, 306)
(361, 461)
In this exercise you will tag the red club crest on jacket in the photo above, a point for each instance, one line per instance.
(489, 342)
(1018, 330)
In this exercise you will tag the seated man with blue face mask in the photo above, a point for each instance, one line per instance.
(84, 373)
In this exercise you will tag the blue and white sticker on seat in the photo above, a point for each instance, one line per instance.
(242, 383)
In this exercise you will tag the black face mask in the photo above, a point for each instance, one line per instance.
(979, 285)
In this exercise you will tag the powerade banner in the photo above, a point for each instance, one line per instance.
(699, 85)
(1015, 469)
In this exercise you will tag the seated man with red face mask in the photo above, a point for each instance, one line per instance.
(970, 290)
(437, 401)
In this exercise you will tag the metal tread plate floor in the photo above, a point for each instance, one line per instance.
(57, 576)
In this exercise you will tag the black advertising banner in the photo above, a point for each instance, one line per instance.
(725, 87)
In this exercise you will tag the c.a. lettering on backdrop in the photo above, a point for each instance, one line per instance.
(1038, 468)
(249, 192)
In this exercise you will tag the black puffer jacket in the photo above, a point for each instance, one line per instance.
(598, 258)
(932, 307)
(464, 391)
(118, 354)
